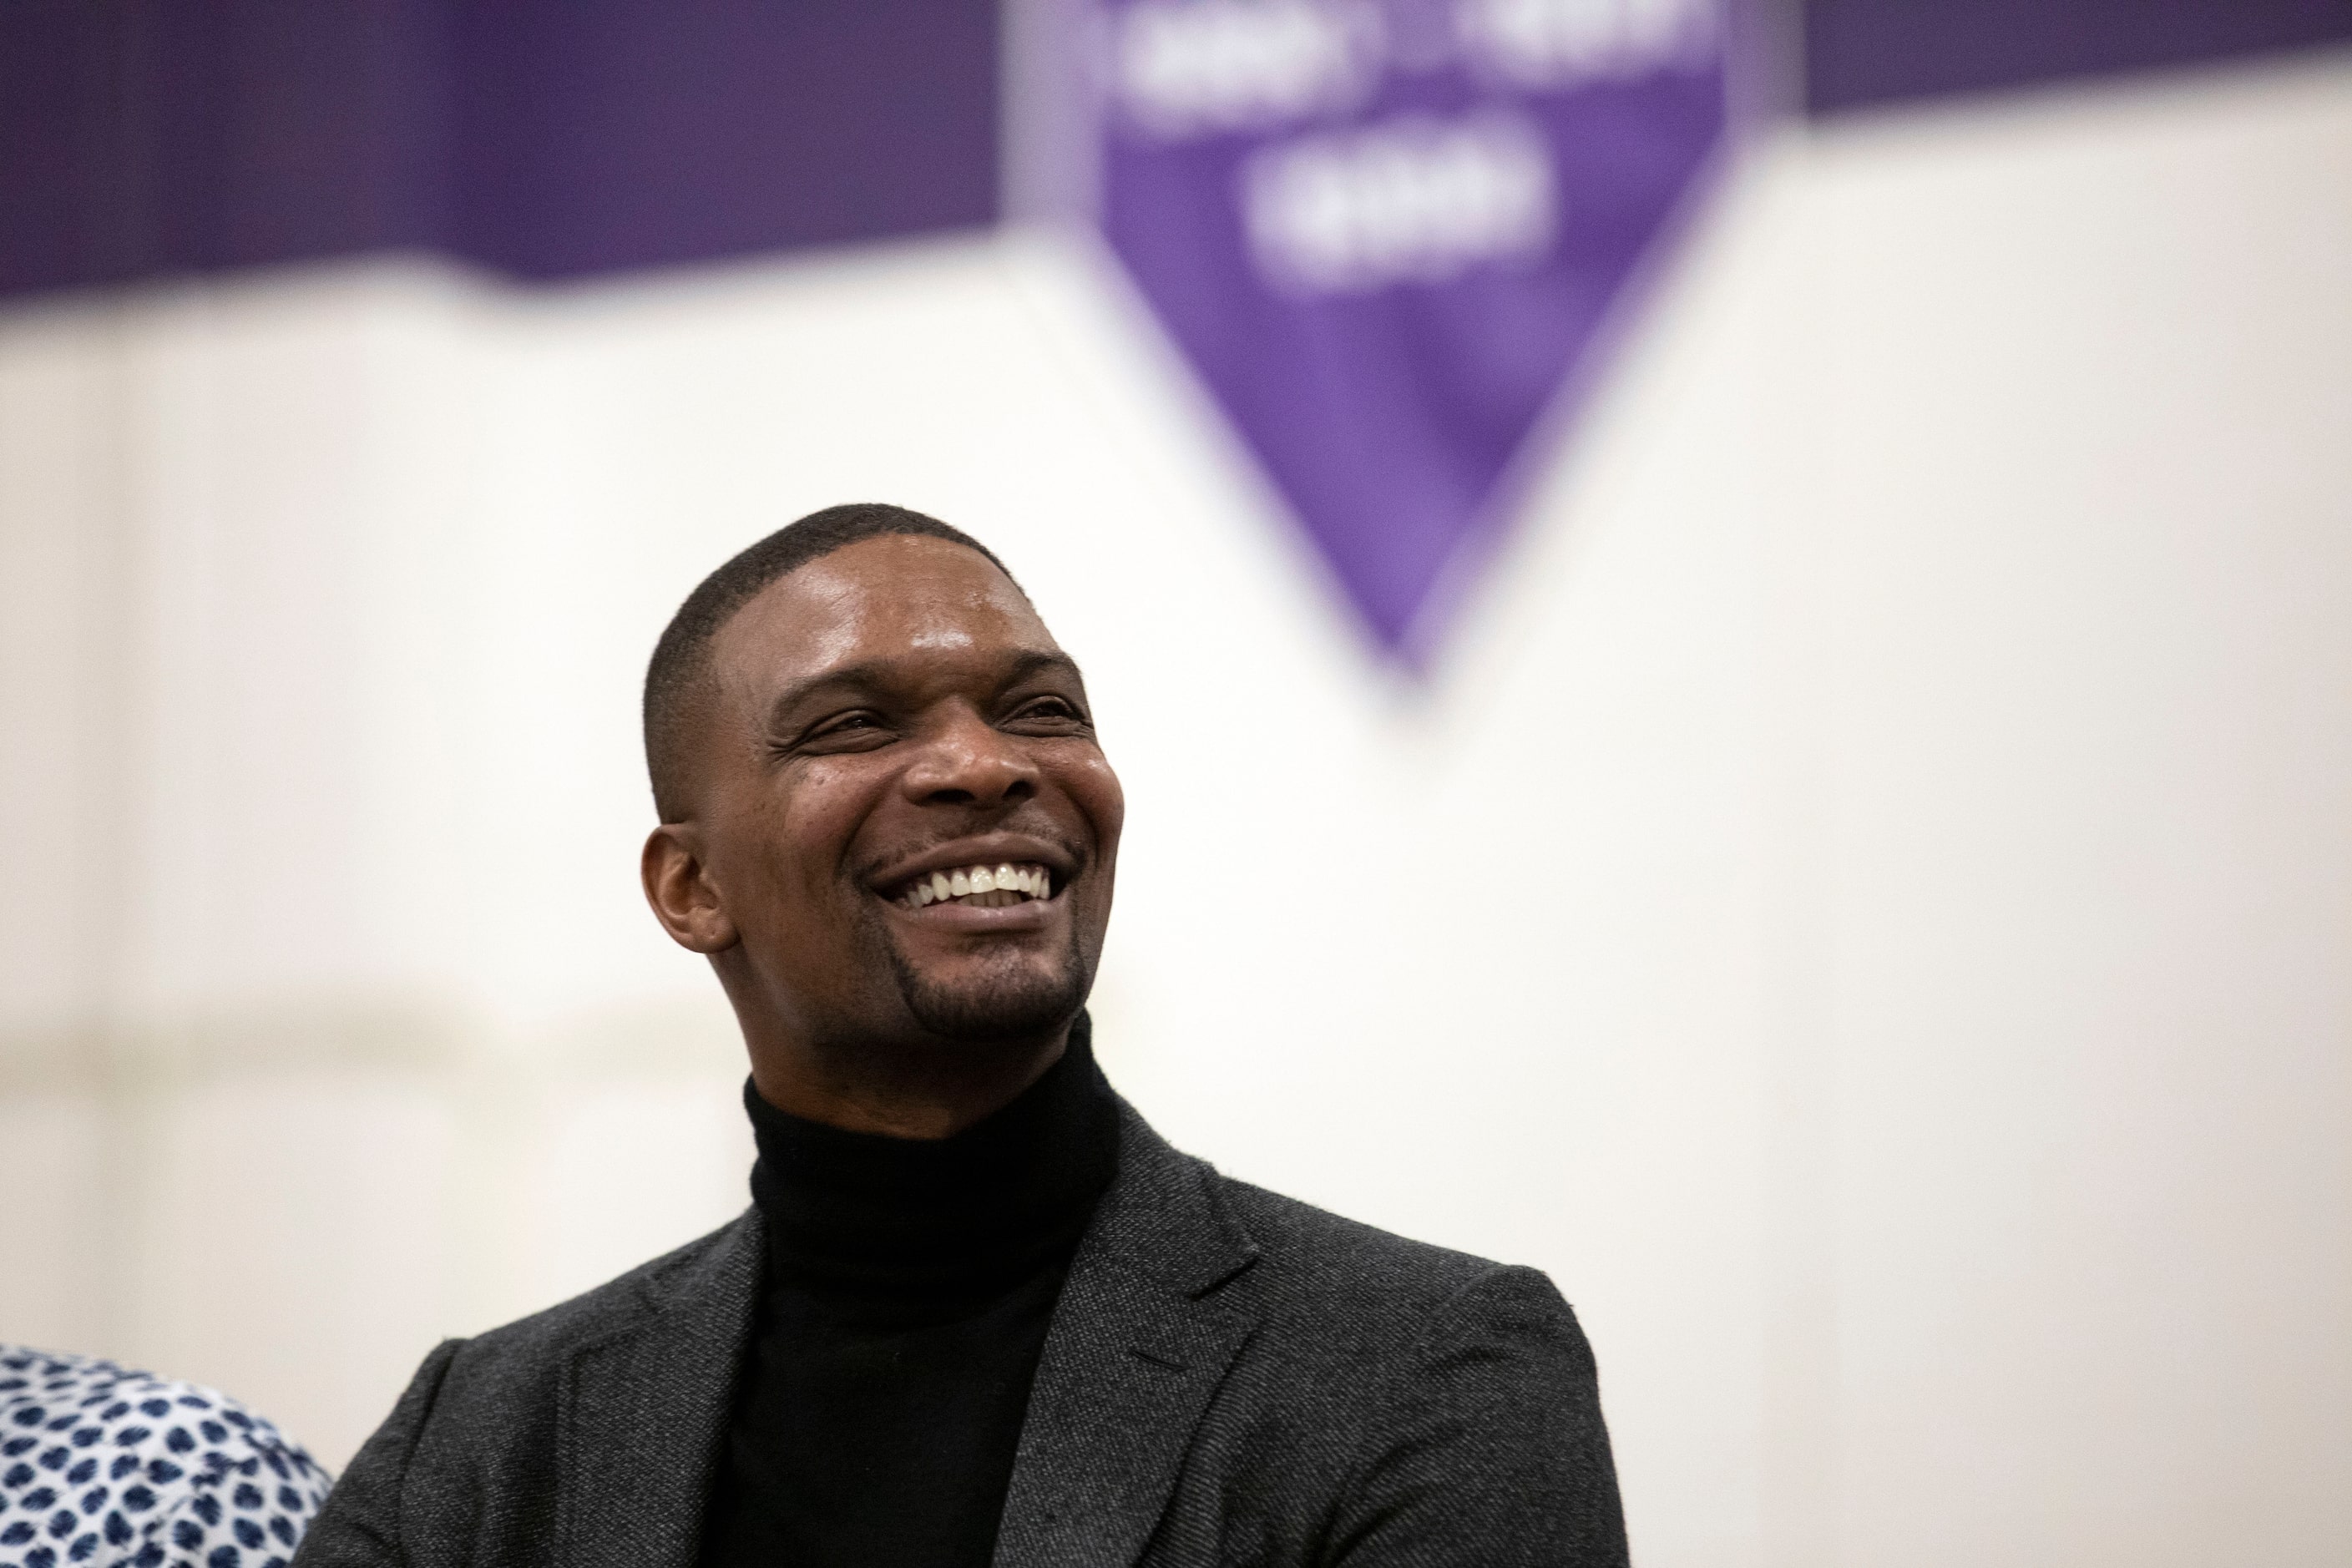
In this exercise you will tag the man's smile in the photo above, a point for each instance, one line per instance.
(980, 887)
(990, 882)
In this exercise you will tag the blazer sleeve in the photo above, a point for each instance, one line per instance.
(1488, 1447)
(359, 1526)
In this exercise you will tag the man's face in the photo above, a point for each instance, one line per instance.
(893, 725)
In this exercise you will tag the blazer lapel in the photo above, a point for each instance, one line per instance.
(644, 1412)
(1137, 1349)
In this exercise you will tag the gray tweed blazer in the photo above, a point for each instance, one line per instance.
(1230, 1378)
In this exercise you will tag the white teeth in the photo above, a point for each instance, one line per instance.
(987, 887)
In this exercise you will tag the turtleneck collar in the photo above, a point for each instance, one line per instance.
(955, 1218)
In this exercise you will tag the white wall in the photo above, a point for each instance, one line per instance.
(2088, 625)
(1863, 900)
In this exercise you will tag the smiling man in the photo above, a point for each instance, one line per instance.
(978, 1312)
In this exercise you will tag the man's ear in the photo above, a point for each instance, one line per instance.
(683, 898)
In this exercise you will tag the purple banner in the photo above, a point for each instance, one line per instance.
(571, 137)
(548, 138)
(1388, 234)
(1870, 52)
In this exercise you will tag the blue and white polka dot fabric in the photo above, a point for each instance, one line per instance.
(99, 1466)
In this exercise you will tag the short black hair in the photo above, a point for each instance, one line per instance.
(681, 662)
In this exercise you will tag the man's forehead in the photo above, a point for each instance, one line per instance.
(891, 601)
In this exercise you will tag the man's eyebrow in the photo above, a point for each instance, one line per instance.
(1040, 661)
(874, 674)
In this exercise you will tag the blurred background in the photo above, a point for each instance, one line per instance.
(1853, 876)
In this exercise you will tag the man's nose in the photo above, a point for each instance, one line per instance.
(970, 762)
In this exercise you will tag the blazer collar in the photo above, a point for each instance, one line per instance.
(1140, 1342)
(643, 1411)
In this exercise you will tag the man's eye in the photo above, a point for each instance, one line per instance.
(1047, 708)
(846, 725)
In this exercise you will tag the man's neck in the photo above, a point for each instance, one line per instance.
(894, 1090)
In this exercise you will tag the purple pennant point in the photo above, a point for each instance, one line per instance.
(1386, 232)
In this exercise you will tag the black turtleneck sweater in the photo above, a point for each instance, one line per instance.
(907, 1289)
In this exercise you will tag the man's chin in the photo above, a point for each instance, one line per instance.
(1012, 1002)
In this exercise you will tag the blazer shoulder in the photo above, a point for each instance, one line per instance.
(548, 1337)
(1323, 1276)
(1456, 1397)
